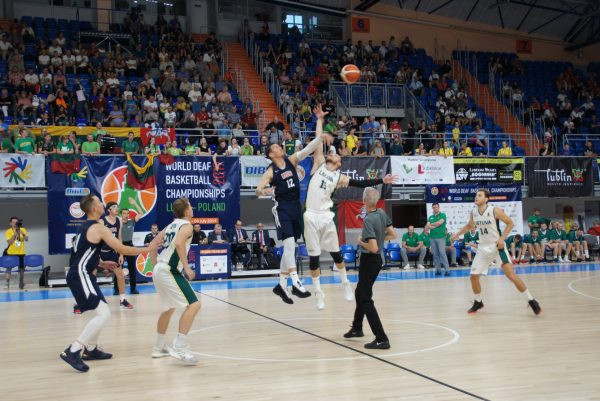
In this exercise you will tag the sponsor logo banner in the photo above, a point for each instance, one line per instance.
(419, 170)
(22, 171)
(160, 135)
(457, 202)
(363, 168)
(479, 169)
(213, 191)
(560, 176)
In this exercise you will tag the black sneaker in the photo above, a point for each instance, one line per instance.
(378, 345)
(125, 304)
(476, 306)
(535, 306)
(446, 273)
(74, 359)
(354, 333)
(283, 294)
(588, 259)
(454, 265)
(76, 310)
(134, 291)
(438, 273)
(300, 292)
(96, 353)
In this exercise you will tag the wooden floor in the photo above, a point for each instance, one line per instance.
(438, 351)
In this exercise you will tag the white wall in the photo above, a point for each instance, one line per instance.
(34, 212)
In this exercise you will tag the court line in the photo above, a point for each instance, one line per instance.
(424, 376)
(570, 287)
(455, 338)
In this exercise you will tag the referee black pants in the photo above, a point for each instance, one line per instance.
(369, 267)
(131, 266)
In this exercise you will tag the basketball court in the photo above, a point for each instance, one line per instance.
(252, 346)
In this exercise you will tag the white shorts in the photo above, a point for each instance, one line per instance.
(485, 258)
(320, 233)
(172, 288)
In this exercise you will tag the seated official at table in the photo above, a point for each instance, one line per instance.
(240, 254)
(262, 246)
(198, 236)
(218, 236)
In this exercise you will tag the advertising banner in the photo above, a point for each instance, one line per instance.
(456, 201)
(363, 168)
(551, 177)
(160, 135)
(22, 171)
(481, 169)
(419, 170)
(213, 191)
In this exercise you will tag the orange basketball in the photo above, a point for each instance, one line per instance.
(350, 74)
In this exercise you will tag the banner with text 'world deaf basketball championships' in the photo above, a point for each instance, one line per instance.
(213, 191)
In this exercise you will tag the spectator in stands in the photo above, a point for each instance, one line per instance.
(172, 149)
(589, 149)
(198, 236)
(239, 248)
(234, 149)
(218, 236)
(47, 146)
(130, 146)
(65, 146)
(152, 148)
(411, 243)
(263, 145)
(505, 150)
(90, 147)
(378, 151)
(546, 150)
(203, 148)
(360, 149)
(24, 144)
(465, 151)
(595, 229)
(247, 149)
(567, 151)
(445, 150)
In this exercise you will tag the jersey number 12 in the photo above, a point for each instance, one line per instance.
(290, 183)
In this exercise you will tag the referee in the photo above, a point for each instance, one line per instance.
(127, 229)
(377, 228)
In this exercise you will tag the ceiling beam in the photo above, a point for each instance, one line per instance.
(440, 6)
(592, 40)
(472, 9)
(577, 26)
(500, 15)
(573, 35)
(551, 20)
(547, 8)
(418, 5)
(365, 5)
(526, 14)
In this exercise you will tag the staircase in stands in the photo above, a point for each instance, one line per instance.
(239, 61)
(493, 107)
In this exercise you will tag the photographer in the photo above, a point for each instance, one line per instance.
(16, 236)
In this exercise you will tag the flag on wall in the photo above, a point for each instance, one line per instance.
(65, 163)
(140, 177)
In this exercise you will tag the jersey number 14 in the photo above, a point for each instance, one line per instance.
(483, 231)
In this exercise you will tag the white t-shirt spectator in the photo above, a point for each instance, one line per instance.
(81, 61)
(170, 117)
(5, 45)
(46, 79)
(127, 93)
(470, 114)
(131, 63)
(56, 61)
(113, 82)
(208, 97)
(207, 58)
(382, 51)
(234, 151)
(150, 106)
(44, 59)
(68, 60)
(56, 49)
(194, 95)
(31, 79)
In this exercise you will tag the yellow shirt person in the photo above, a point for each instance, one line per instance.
(18, 245)
(504, 150)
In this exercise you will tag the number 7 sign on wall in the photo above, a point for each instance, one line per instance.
(524, 46)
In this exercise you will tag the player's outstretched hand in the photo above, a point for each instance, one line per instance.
(327, 138)
(390, 179)
(319, 113)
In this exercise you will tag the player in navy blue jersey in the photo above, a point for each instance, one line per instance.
(85, 258)
(285, 189)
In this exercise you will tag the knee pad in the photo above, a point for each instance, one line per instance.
(288, 257)
(337, 257)
(314, 262)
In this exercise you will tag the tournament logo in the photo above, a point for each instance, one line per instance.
(301, 172)
(143, 264)
(75, 210)
(434, 191)
(578, 174)
(115, 189)
(373, 173)
(17, 170)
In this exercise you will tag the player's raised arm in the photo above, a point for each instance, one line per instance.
(261, 188)
(318, 157)
(346, 181)
(467, 227)
(102, 233)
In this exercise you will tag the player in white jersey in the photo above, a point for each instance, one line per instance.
(320, 233)
(172, 287)
(486, 219)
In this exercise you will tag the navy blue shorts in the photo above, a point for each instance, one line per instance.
(85, 289)
(110, 256)
(288, 220)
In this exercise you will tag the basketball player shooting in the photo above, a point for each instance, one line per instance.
(285, 189)
(85, 258)
(320, 233)
(486, 219)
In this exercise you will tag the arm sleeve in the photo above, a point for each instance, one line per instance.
(309, 149)
(364, 183)
(388, 221)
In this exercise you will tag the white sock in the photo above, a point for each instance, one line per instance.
(76, 347)
(295, 279)
(122, 297)
(343, 275)
(180, 341)
(317, 283)
(577, 254)
(160, 341)
(528, 295)
(587, 254)
(90, 332)
(90, 347)
(478, 297)
(523, 257)
(283, 280)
